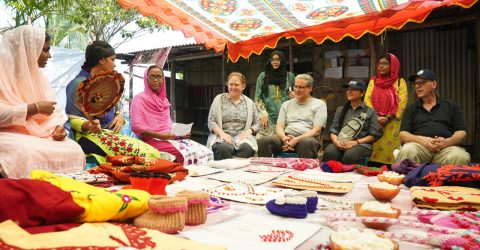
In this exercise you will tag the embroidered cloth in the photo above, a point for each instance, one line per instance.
(446, 198)
(293, 163)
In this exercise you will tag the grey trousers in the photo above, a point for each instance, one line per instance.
(353, 155)
(223, 150)
(450, 155)
(306, 148)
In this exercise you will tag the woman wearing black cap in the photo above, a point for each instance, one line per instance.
(272, 89)
(354, 128)
(100, 137)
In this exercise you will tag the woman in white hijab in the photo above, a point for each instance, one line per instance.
(31, 124)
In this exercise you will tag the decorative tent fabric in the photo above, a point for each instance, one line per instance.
(251, 26)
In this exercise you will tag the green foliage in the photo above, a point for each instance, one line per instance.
(102, 19)
(73, 24)
(32, 10)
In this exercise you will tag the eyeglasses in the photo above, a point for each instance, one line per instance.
(274, 60)
(300, 87)
(421, 82)
(155, 77)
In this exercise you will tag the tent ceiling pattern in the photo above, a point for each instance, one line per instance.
(249, 26)
(239, 20)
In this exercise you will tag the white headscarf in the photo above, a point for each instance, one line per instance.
(21, 80)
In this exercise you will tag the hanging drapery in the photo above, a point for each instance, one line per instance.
(250, 26)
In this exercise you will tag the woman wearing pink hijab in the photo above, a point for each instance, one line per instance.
(31, 124)
(150, 120)
(387, 94)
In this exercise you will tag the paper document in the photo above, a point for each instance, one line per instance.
(180, 129)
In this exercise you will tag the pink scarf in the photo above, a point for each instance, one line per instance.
(384, 95)
(150, 111)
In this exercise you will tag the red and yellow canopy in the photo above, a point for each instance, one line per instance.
(250, 26)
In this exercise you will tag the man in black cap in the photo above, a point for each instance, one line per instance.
(432, 128)
(354, 128)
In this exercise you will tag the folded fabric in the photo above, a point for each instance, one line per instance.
(121, 174)
(446, 198)
(293, 163)
(121, 160)
(371, 171)
(96, 236)
(336, 167)
(405, 166)
(294, 207)
(32, 203)
(447, 175)
(99, 204)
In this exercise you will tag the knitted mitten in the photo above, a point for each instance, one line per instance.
(290, 206)
(166, 214)
(197, 207)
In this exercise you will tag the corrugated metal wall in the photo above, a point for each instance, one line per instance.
(450, 53)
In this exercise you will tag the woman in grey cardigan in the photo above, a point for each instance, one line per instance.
(232, 121)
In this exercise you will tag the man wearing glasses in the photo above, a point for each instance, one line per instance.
(299, 123)
(432, 128)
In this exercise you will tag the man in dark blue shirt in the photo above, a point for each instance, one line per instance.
(432, 128)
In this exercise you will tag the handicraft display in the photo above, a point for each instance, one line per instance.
(447, 230)
(99, 93)
(446, 198)
(229, 163)
(333, 177)
(266, 169)
(246, 193)
(306, 183)
(255, 231)
(201, 170)
(243, 177)
(193, 184)
(291, 163)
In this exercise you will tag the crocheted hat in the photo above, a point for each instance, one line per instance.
(312, 199)
(154, 183)
(166, 214)
(197, 207)
(290, 206)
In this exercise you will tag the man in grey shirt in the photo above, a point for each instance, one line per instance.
(299, 123)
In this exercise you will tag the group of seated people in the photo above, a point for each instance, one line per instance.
(283, 117)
